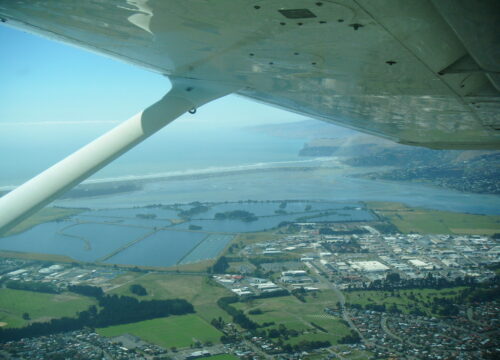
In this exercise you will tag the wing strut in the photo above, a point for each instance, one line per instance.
(185, 95)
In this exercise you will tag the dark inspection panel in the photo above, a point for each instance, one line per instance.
(297, 13)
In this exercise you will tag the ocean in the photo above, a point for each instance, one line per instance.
(242, 164)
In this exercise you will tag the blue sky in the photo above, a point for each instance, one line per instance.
(55, 98)
(47, 81)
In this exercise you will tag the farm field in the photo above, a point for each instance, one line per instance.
(426, 221)
(199, 290)
(173, 331)
(296, 315)
(39, 306)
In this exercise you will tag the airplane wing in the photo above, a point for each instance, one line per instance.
(418, 72)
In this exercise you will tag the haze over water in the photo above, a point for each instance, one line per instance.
(220, 151)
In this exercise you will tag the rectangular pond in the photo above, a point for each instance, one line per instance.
(83, 242)
(163, 248)
(209, 248)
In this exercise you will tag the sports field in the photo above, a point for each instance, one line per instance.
(173, 331)
(39, 306)
(425, 221)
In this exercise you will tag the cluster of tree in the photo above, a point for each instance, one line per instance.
(256, 261)
(329, 231)
(138, 290)
(393, 281)
(114, 310)
(300, 294)
(444, 306)
(86, 290)
(32, 286)
(220, 266)
(386, 228)
(282, 292)
(482, 295)
(255, 312)
(306, 346)
(485, 291)
(347, 246)
(289, 227)
(352, 338)
(393, 308)
(281, 332)
(125, 309)
(320, 328)
(197, 208)
(218, 323)
(236, 215)
(228, 339)
(238, 316)
(376, 307)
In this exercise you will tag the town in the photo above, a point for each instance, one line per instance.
(306, 290)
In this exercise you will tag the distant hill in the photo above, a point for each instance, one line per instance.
(464, 170)
(307, 129)
(347, 146)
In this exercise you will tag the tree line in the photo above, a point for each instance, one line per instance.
(32, 286)
(113, 310)
(393, 281)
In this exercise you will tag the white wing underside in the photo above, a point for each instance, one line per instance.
(417, 72)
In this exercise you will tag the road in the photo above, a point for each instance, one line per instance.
(345, 313)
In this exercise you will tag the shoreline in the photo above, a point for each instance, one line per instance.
(203, 172)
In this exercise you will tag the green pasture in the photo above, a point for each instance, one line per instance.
(173, 331)
(405, 300)
(40, 306)
(426, 221)
(199, 290)
(294, 314)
